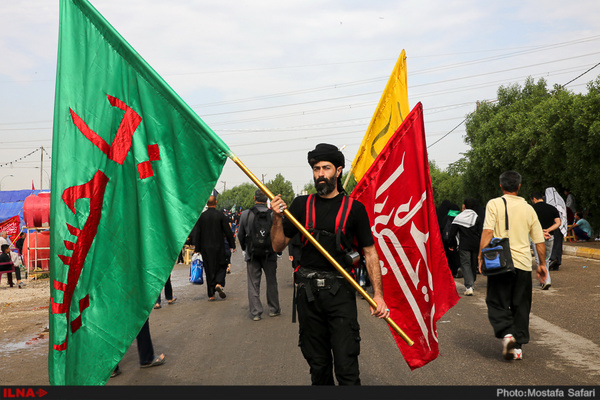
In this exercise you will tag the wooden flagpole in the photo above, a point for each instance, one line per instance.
(322, 250)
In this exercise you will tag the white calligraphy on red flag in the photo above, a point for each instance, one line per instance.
(417, 284)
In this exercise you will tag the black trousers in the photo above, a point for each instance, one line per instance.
(17, 275)
(509, 304)
(144, 343)
(215, 271)
(453, 260)
(168, 291)
(557, 247)
(330, 334)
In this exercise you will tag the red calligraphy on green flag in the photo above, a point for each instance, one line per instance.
(133, 167)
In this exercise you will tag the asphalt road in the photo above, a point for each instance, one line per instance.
(218, 344)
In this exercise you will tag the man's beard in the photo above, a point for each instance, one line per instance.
(325, 186)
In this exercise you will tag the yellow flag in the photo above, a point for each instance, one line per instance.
(390, 112)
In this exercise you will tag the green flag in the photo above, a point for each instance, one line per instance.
(132, 166)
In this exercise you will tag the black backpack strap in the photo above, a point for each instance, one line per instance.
(505, 213)
(340, 224)
(310, 216)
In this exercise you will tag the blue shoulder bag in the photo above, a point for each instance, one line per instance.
(496, 255)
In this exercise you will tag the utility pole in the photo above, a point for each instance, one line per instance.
(41, 168)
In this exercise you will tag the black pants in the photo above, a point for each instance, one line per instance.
(453, 260)
(144, 343)
(509, 304)
(329, 334)
(215, 271)
(168, 291)
(17, 275)
(557, 247)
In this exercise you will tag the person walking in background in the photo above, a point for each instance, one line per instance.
(550, 221)
(232, 226)
(446, 213)
(465, 236)
(254, 235)
(509, 295)
(554, 199)
(145, 351)
(168, 294)
(211, 228)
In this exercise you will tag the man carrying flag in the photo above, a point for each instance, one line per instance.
(397, 194)
(123, 144)
(327, 314)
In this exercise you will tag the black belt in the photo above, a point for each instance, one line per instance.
(318, 283)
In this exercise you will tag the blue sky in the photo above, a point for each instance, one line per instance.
(275, 78)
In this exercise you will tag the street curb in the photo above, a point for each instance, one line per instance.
(585, 252)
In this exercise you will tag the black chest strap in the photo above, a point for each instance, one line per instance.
(340, 220)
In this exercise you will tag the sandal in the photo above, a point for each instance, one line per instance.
(157, 306)
(116, 372)
(221, 292)
(160, 360)
(172, 300)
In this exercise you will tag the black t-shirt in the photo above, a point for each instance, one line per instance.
(546, 214)
(357, 226)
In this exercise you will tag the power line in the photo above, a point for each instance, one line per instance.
(581, 75)
(466, 119)
(19, 159)
(447, 133)
(463, 88)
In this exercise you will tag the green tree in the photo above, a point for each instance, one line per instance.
(309, 188)
(239, 196)
(448, 184)
(280, 186)
(551, 137)
(351, 182)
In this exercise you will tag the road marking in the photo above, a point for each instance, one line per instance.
(569, 347)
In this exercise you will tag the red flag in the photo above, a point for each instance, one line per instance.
(11, 226)
(32, 187)
(417, 284)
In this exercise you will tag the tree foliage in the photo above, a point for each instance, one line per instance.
(280, 186)
(448, 184)
(551, 137)
(239, 196)
(309, 188)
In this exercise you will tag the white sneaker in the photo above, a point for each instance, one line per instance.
(508, 347)
(469, 292)
(518, 354)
